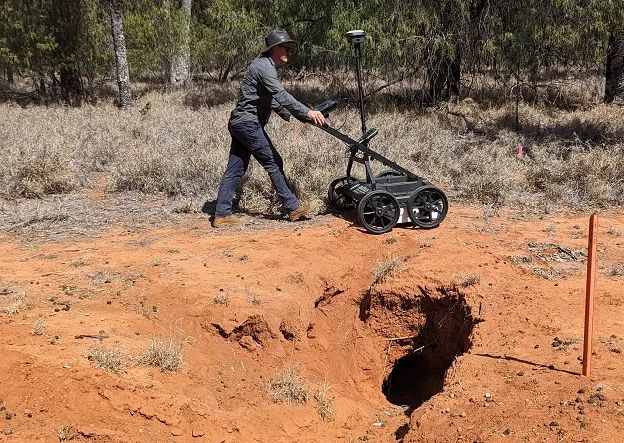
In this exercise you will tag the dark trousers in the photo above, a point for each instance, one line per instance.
(249, 138)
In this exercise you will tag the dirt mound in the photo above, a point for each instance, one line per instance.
(252, 333)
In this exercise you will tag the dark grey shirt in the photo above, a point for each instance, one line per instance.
(261, 91)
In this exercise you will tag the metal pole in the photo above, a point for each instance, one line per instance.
(358, 71)
(589, 294)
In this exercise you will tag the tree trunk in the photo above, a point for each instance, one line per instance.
(614, 75)
(444, 75)
(180, 73)
(71, 86)
(119, 43)
(9, 75)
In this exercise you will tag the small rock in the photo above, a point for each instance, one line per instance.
(520, 373)
(581, 391)
(593, 400)
(599, 388)
(553, 424)
(472, 400)
(8, 415)
(551, 367)
(601, 397)
(463, 414)
(488, 395)
(507, 431)
(7, 431)
(447, 410)
(197, 433)
(28, 413)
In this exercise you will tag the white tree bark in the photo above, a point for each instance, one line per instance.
(180, 73)
(121, 59)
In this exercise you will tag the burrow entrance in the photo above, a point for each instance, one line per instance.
(427, 331)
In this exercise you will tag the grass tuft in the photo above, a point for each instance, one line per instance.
(288, 387)
(386, 267)
(325, 403)
(163, 354)
(40, 326)
(109, 359)
(15, 301)
(615, 271)
(222, 298)
(466, 280)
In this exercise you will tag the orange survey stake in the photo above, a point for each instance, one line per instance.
(589, 294)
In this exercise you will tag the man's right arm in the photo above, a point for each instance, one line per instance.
(268, 77)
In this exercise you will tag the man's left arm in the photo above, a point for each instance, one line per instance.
(280, 110)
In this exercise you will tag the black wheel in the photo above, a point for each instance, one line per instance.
(427, 206)
(378, 212)
(336, 199)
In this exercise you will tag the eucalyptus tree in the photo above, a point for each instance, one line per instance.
(180, 71)
(119, 45)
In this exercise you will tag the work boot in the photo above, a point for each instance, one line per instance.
(225, 220)
(300, 212)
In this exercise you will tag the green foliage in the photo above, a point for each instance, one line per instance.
(47, 40)
(225, 35)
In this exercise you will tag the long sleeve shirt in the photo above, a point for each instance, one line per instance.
(261, 91)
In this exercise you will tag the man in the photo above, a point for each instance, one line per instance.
(261, 92)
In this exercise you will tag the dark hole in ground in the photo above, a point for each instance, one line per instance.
(413, 380)
(419, 374)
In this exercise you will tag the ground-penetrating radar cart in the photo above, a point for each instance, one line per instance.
(390, 198)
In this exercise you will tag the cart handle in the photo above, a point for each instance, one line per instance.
(326, 107)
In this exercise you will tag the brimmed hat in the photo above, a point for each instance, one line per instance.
(278, 37)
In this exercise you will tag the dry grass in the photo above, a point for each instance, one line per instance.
(325, 403)
(65, 433)
(466, 280)
(179, 148)
(40, 326)
(615, 270)
(221, 298)
(163, 354)
(386, 267)
(288, 387)
(13, 300)
(615, 232)
(109, 359)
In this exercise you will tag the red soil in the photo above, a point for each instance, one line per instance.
(302, 296)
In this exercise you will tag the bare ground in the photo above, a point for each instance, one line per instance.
(487, 309)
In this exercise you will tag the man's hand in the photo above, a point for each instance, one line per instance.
(316, 117)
